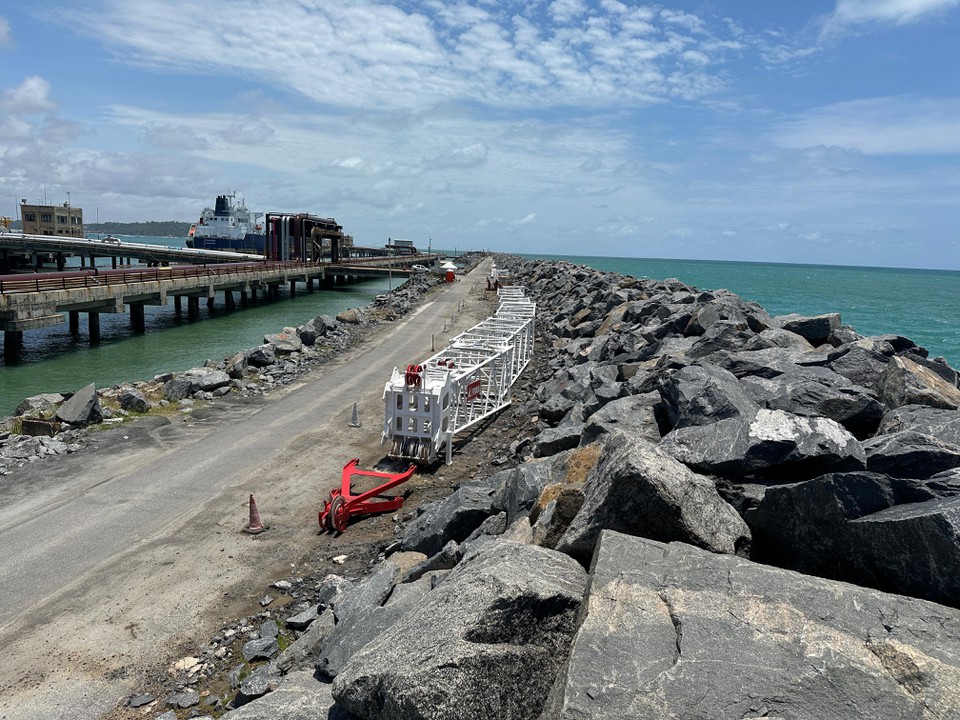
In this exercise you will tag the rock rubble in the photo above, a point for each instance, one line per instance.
(708, 512)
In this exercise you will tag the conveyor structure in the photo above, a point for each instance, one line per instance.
(425, 405)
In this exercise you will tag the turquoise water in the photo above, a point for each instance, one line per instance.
(923, 305)
(53, 360)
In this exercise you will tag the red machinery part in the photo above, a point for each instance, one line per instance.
(342, 504)
(414, 376)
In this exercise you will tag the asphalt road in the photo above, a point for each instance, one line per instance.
(109, 555)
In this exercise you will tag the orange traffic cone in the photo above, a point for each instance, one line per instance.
(255, 525)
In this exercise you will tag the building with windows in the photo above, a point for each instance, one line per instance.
(52, 220)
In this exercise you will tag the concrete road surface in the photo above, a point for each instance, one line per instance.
(110, 555)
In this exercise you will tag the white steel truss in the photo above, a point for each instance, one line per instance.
(468, 381)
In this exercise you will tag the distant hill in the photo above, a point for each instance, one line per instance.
(169, 228)
(162, 228)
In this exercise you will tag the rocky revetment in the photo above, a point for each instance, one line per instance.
(697, 510)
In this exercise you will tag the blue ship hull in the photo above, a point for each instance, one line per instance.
(251, 243)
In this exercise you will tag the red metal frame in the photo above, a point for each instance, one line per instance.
(342, 504)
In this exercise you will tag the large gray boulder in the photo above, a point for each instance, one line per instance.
(486, 643)
(38, 404)
(638, 489)
(284, 343)
(350, 316)
(672, 631)
(199, 379)
(772, 444)
(767, 362)
(636, 414)
(778, 338)
(324, 324)
(910, 454)
(729, 335)
(940, 423)
(815, 329)
(261, 356)
(817, 391)
(909, 381)
(236, 365)
(865, 528)
(82, 409)
(207, 380)
(703, 394)
(862, 362)
(912, 549)
(551, 441)
(452, 518)
(518, 488)
(365, 625)
(299, 696)
(132, 400)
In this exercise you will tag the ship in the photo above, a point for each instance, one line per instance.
(229, 225)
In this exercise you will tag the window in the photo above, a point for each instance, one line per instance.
(62, 219)
(30, 217)
(46, 217)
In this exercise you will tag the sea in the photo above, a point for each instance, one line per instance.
(923, 305)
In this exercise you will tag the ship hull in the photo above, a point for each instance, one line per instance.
(250, 243)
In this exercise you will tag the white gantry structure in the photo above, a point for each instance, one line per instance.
(470, 380)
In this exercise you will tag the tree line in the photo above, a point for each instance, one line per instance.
(170, 228)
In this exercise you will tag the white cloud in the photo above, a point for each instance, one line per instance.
(32, 96)
(462, 157)
(606, 55)
(849, 13)
(248, 132)
(900, 125)
(166, 136)
(350, 163)
(6, 39)
(528, 219)
(567, 10)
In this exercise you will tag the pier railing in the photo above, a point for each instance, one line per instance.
(72, 280)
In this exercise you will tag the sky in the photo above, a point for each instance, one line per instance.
(824, 131)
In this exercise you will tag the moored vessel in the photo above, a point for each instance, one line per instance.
(229, 225)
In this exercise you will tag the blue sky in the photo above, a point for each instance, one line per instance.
(825, 131)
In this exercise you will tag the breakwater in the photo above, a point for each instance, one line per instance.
(704, 511)
(921, 304)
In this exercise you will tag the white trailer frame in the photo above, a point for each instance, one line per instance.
(463, 384)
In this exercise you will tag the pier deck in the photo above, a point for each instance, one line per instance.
(35, 300)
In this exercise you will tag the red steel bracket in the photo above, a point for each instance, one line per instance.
(342, 505)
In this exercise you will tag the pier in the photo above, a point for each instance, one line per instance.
(40, 299)
(31, 252)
